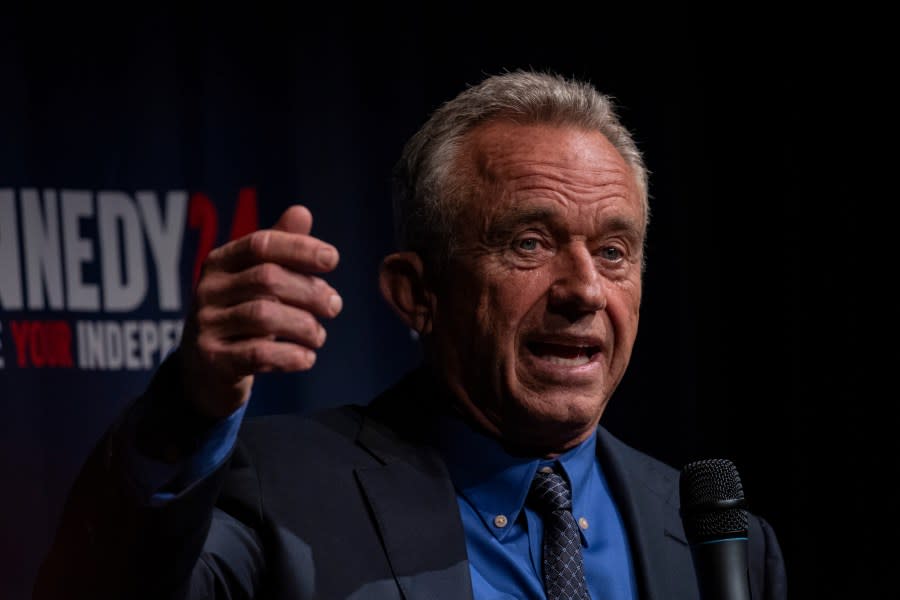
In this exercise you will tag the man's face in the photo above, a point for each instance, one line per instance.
(537, 315)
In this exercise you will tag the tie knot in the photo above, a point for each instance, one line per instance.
(549, 492)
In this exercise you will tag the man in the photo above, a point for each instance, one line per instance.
(522, 211)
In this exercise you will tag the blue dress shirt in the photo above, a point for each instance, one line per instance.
(503, 536)
(159, 481)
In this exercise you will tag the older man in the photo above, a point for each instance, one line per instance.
(522, 211)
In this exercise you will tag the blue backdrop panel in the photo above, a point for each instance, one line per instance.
(126, 153)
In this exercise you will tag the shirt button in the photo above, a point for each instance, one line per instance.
(501, 520)
(583, 523)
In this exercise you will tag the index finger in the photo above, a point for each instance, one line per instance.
(294, 251)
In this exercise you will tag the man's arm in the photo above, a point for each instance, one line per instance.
(134, 524)
(768, 580)
(142, 511)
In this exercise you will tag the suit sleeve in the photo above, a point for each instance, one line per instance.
(768, 580)
(117, 540)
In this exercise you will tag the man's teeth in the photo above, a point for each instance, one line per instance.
(563, 354)
(567, 362)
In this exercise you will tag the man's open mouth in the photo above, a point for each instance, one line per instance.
(567, 355)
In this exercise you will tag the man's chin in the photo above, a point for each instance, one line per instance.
(559, 401)
(554, 420)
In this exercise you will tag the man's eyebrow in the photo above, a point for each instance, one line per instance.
(623, 224)
(511, 220)
(516, 217)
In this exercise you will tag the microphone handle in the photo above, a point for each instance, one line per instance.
(722, 572)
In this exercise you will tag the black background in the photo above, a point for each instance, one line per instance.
(768, 332)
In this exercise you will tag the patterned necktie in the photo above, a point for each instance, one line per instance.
(563, 564)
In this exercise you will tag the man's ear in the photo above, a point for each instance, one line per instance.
(402, 282)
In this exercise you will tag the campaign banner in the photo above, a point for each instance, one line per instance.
(91, 279)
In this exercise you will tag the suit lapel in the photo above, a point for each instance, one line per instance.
(645, 497)
(415, 510)
(414, 506)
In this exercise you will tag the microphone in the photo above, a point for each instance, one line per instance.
(715, 523)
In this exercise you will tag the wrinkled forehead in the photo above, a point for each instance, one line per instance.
(513, 165)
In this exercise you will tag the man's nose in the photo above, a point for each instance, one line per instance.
(578, 288)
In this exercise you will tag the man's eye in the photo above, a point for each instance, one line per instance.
(611, 253)
(528, 244)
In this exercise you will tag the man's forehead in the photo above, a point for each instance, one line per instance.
(520, 156)
(519, 171)
(491, 141)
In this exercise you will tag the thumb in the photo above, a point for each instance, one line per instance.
(296, 219)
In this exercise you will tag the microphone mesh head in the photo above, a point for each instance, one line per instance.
(711, 500)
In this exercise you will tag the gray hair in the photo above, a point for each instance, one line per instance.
(426, 181)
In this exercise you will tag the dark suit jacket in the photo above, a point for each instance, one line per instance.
(351, 503)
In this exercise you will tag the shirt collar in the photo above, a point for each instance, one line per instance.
(495, 482)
